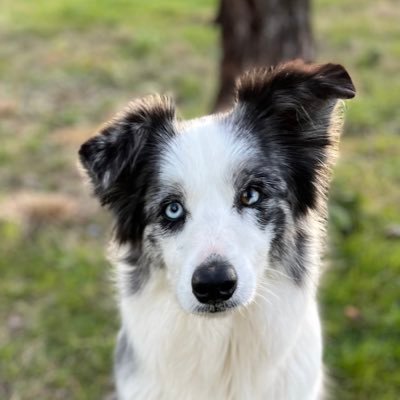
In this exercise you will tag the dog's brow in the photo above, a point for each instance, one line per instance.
(171, 190)
(260, 175)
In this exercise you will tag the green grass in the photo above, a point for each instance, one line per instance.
(56, 303)
(363, 348)
(67, 66)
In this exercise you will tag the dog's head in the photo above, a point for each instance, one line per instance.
(223, 201)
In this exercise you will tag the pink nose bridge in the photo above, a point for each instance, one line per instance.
(212, 229)
(210, 251)
(212, 242)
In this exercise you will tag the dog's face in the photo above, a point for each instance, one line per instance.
(221, 201)
(215, 203)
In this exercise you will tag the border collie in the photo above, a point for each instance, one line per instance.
(219, 224)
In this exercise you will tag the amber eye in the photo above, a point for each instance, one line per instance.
(250, 197)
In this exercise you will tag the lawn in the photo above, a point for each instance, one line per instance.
(66, 67)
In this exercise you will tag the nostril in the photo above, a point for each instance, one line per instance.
(200, 284)
(228, 287)
(201, 288)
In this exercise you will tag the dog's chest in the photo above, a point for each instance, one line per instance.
(250, 354)
(192, 358)
(225, 362)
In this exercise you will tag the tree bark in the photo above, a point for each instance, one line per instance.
(257, 33)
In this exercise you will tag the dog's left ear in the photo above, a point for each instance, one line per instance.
(292, 109)
(294, 93)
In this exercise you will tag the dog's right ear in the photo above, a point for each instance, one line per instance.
(120, 145)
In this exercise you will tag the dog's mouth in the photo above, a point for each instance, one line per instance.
(218, 308)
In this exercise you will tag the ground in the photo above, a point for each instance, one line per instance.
(66, 67)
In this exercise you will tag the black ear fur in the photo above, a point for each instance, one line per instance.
(120, 142)
(292, 84)
(120, 160)
(289, 109)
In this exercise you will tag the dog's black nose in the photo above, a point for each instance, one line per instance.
(214, 282)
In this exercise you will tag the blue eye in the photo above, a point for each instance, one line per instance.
(174, 211)
(250, 197)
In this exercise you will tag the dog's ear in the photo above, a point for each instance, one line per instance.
(121, 144)
(292, 110)
(294, 93)
(119, 160)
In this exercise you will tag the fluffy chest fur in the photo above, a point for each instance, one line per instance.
(253, 354)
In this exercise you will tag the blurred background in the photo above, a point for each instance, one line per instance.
(67, 65)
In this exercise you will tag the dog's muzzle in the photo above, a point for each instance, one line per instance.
(214, 281)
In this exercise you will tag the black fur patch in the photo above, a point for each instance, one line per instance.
(267, 183)
(297, 268)
(290, 249)
(278, 244)
(289, 110)
(139, 272)
(122, 161)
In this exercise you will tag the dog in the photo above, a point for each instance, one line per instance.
(219, 230)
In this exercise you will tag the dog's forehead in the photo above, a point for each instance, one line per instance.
(205, 150)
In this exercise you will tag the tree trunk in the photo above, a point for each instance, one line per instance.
(260, 33)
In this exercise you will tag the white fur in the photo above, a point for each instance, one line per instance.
(270, 349)
(214, 226)
(267, 348)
